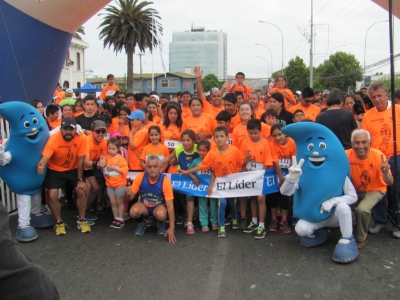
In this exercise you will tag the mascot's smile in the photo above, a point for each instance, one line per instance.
(316, 161)
(33, 135)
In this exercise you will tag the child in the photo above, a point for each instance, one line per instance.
(110, 89)
(223, 160)
(203, 148)
(298, 116)
(282, 149)
(154, 148)
(115, 175)
(78, 108)
(223, 119)
(238, 86)
(52, 113)
(185, 153)
(270, 117)
(138, 139)
(256, 155)
(155, 111)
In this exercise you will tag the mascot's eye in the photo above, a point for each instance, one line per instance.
(322, 146)
(310, 146)
(27, 124)
(34, 121)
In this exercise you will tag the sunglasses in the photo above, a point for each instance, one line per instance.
(100, 131)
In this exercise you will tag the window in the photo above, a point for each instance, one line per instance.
(78, 84)
(67, 59)
(168, 83)
(66, 84)
(99, 86)
(186, 84)
(149, 83)
(78, 61)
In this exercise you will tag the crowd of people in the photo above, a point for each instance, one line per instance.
(94, 142)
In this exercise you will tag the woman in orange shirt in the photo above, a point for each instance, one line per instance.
(67, 111)
(280, 87)
(155, 111)
(186, 112)
(201, 123)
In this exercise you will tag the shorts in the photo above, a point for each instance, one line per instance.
(88, 173)
(151, 209)
(119, 192)
(56, 179)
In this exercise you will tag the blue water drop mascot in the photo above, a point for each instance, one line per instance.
(19, 156)
(322, 192)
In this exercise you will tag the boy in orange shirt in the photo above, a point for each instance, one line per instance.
(230, 104)
(138, 139)
(238, 86)
(254, 99)
(223, 160)
(52, 114)
(110, 89)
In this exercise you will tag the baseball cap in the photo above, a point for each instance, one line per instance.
(155, 97)
(114, 134)
(326, 92)
(137, 114)
(99, 124)
(68, 122)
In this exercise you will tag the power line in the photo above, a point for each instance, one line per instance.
(322, 8)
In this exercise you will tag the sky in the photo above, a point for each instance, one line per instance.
(339, 25)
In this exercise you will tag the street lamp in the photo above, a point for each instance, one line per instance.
(315, 61)
(365, 44)
(281, 35)
(335, 48)
(265, 60)
(272, 66)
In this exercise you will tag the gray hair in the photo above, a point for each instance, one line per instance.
(376, 86)
(360, 131)
(154, 157)
(255, 93)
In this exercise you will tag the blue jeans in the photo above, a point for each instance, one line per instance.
(221, 209)
(379, 210)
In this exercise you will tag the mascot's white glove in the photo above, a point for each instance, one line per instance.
(295, 171)
(328, 204)
(5, 157)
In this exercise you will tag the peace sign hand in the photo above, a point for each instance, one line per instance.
(385, 167)
(295, 170)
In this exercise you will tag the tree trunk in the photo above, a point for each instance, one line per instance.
(129, 53)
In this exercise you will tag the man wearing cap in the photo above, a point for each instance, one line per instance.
(138, 139)
(324, 98)
(64, 154)
(89, 115)
(68, 98)
(95, 157)
(310, 111)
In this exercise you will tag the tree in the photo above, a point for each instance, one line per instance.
(127, 26)
(341, 70)
(80, 30)
(386, 81)
(297, 74)
(209, 81)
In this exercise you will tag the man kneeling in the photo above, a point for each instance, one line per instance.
(156, 199)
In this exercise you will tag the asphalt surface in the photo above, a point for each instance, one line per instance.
(115, 264)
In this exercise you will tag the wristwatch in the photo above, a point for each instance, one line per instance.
(83, 179)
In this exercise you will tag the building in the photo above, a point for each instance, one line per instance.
(199, 47)
(167, 85)
(73, 71)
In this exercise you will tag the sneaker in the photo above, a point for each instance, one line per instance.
(228, 221)
(83, 226)
(179, 220)
(396, 233)
(243, 223)
(112, 225)
(150, 221)
(59, 228)
(189, 228)
(205, 229)
(90, 221)
(89, 216)
(284, 226)
(161, 229)
(126, 216)
(378, 227)
(273, 226)
(141, 228)
(250, 228)
(100, 209)
(222, 232)
(235, 224)
(260, 233)
(46, 210)
(214, 227)
(119, 224)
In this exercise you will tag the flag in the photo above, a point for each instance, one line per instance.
(160, 47)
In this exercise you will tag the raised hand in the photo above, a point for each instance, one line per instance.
(198, 72)
(295, 170)
(385, 167)
(5, 157)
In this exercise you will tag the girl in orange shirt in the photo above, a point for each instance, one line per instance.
(115, 173)
(280, 87)
(282, 150)
(154, 148)
(186, 96)
(155, 111)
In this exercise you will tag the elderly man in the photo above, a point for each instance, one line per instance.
(378, 121)
(156, 199)
(370, 174)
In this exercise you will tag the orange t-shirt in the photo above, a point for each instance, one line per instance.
(166, 187)
(258, 113)
(160, 150)
(186, 112)
(140, 140)
(261, 105)
(235, 120)
(55, 123)
(380, 126)
(64, 155)
(202, 123)
(240, 133)
(60, 96)
(366, 173)
(115, 127)
(260, 154)
(77, 114)
(113, 178)
(151, 123)
(244, 88)
(157, 120)
(109, 90)
(283, 153)
(171, 133)
(229, 141)
(211, 109)
(222, 163)
(288, 105)
(310, 112)
(96, 150)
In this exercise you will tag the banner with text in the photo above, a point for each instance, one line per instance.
(241, 184)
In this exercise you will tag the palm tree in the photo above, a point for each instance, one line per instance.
(127, 26)
(80, 30)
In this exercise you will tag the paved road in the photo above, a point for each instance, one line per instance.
(116, 264)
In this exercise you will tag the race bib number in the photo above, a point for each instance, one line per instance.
(161, 157)
(285, 163)
(201, 172)
(110, 92)
(107, 135)
(229, 141)
(171, 144)
(254, 166)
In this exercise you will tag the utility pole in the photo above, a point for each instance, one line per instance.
(141, 79)
(311, 47)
